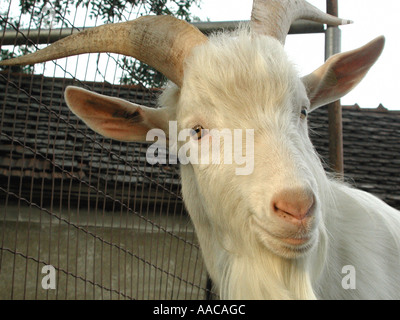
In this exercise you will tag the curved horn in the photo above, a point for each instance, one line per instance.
(162, 42)
(274, 17)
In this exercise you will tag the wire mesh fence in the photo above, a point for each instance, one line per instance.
(111, 225)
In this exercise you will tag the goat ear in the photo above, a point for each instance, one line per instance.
(113, 117)
(341, 73)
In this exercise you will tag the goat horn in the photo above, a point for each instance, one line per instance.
(274, 17)
(162, 42)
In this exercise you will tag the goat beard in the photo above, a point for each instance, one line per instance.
(266, 277)
(260, 274)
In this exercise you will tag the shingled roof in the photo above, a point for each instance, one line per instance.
(40, 140)
(371, 143)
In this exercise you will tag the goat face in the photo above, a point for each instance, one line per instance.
(246, 82)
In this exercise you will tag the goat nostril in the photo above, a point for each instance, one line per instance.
(298, 214)
(293, 204)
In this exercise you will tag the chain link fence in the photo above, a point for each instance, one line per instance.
(110, 225)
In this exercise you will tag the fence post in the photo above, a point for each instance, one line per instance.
(333, 46)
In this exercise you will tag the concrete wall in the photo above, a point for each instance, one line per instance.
(98, 255)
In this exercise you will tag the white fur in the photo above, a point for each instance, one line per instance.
(246, 81)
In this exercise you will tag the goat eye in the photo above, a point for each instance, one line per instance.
(304, 113)
(197, 132)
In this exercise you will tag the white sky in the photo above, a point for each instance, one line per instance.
(371, 19)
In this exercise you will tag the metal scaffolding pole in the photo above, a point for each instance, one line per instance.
(46, 36)
(333, 46)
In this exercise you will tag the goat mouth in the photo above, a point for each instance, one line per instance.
(295, 241)
(286, 245)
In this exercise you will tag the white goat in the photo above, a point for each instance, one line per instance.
(286, 231)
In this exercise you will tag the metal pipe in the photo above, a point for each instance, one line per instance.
(299, 27)
(46, 36)
(333, 46)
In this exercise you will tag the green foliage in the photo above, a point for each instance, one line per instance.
(106, 10)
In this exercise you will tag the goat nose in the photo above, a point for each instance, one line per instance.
(293, 205)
